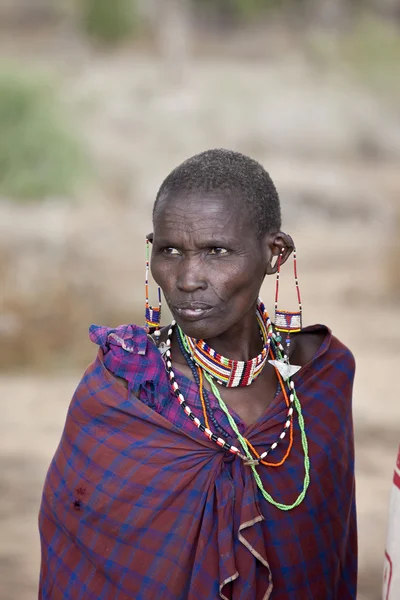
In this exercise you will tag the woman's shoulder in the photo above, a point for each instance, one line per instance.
(317, 341)
(129, 353)
(131, 338)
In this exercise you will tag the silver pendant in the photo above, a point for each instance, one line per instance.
(285, 369)
(163, 348)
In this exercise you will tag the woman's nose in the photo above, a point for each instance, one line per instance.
(191, 276)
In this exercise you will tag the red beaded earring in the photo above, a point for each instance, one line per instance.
(152, 315)
(286, 321)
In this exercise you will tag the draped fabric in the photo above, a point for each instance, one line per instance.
(139, 504)
(391, 571)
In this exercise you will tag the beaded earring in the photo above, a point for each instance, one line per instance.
(286, 321)
(152, 315)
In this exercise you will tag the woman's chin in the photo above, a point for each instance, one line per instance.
(199, 329)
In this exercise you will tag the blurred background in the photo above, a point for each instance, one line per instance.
(99, 100)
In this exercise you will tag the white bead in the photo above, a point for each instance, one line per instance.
(168, 342)
(290, 411)
(274, 445)
(169, 364)
(175, 385)
(263, 455)
(291, 398)
(282, 435)
(181, 398)
(187, 410)
(234, 449)
(171, 374)
(197, 422)
(287, 424)
(292, 385)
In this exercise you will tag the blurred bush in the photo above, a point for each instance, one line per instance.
(109, 21)
(39, 156)
(238, 10)
(374, 44)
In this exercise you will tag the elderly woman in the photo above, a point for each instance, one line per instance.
(212, 458)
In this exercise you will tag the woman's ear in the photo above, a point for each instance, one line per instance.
(278, 244)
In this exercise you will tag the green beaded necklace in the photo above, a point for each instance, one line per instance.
(243, 442)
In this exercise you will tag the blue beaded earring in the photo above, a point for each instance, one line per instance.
(288, 321)
(152, 315)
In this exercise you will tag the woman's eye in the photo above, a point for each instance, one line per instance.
(170, 251)
(218, 251)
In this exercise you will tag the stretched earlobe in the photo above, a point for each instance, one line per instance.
(272, 265)
(279, 247)
(279, 257)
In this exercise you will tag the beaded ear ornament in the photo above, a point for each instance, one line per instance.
(152, 315)
(286, 321)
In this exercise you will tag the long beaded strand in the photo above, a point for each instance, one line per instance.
(247, 457)
(198, 377)
(206, 405)
(186, 408)
(243, 443)
(283, 460)
(209, 379)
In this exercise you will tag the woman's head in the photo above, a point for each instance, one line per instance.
(229, 174)
(216, 230)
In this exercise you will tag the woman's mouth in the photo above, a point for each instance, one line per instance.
(192, 311)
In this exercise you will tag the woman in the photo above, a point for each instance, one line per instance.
(182, 474)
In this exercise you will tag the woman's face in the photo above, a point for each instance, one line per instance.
(209, 262)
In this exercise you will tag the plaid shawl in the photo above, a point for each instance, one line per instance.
(138, 504)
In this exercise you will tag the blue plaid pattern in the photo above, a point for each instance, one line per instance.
(139, 504)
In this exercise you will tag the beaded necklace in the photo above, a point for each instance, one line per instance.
(207, 410)
(205, 402)
(228, 372)
(252, 463)
(247, 456)
(289, 403)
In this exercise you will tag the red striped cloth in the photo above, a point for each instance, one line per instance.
(138, 504)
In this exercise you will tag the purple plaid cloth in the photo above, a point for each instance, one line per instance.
(139, 504)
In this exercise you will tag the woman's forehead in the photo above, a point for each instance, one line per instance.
(212, 212)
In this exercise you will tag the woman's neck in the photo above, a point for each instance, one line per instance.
(242, 341)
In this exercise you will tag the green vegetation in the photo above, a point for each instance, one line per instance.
(240, 9)
(369, 51)
(110, 21)
(373, 45)
(39, 156)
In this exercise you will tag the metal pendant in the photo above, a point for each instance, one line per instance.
(285, 369)
(163, 348)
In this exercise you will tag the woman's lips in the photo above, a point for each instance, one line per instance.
(192, 312)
